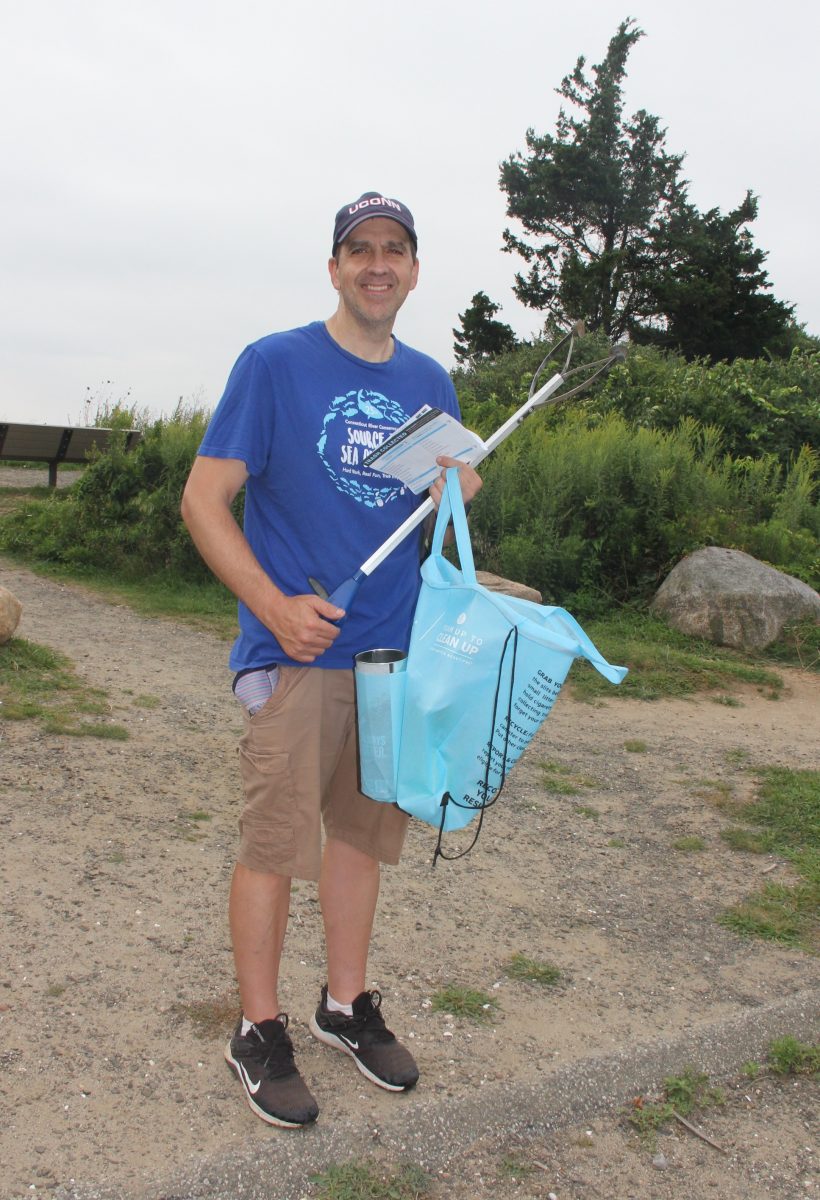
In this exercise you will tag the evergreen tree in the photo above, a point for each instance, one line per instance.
(481, 336)
(596, 195)
(618, 243)
(711, 297)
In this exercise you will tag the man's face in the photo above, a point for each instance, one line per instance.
(374, 271)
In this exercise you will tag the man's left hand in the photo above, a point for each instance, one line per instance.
(470, 480)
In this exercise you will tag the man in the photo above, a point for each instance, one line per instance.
(300, 412)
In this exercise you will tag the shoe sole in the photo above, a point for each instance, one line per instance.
(330, 1039)
(260, 1112)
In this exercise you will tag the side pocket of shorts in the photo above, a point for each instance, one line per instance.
(267, 822)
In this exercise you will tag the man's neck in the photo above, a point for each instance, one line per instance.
(373, 344)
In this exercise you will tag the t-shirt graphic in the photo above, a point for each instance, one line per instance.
(355, 424)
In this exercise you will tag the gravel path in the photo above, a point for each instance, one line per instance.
(115, 863)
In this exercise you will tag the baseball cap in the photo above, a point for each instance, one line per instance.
(371, 204)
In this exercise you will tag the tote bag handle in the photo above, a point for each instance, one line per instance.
(452, 506)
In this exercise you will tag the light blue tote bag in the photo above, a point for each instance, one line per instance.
(483, 672)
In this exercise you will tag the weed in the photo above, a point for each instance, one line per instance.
(146, 701)
(54, 990)
(636, 746)
(367, 1181)
(617, 843)
(751, 1069)
(728, 701)
(737, 757)
(465, 1002)
(531, 970)
(788, 1056)
(199, 814)
(689, 845)
(691, 1090)
(682, 1094)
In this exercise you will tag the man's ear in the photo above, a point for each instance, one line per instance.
(333, 270)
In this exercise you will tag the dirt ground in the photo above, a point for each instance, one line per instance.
(115, 864)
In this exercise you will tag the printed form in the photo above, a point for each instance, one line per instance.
(410, 453)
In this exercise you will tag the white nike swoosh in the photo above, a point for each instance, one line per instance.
(253, 1088)
(352, 1045)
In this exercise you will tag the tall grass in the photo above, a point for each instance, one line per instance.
(600, 515)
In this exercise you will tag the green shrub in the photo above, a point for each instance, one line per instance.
(592, 515)
(122, 515)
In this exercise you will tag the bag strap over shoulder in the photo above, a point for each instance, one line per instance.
(452, 506)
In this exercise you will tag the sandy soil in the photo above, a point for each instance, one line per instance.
(115, 864)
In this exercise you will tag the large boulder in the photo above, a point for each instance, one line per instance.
(495, 583)
(10, 610)
(730, 598)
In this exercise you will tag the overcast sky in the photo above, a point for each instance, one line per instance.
(170, 169)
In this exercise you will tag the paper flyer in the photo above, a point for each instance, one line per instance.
(410, 453)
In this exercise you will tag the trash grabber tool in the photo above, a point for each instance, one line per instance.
(552, 392)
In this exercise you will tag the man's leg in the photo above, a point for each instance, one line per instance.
(261, 1053)
(348, 893)
(258, 912)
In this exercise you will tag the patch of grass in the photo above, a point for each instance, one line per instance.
(737, 757)
(211, 1018)
(798, 645)
(198, 814)
(531, 970)
(368, 1181)
(728, 701)
(617, 843)
(785, 819)
(749, 840)
(682, 1094)
(777, 913)
(636, 746)
(514, 1166)
(663, 662)
(560, 780)
(55, 990)
(469, 1003)
(788, 1056)
(719, 795)
(586, 810)
(751, 1069)
(146, 701)
(689, 845)
(37, 683)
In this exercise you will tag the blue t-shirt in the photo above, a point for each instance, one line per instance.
(302, 414)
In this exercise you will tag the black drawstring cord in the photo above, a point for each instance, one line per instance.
(485, 803)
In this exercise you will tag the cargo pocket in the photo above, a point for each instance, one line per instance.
(266, 826)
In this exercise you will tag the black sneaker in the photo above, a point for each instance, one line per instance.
(263, 1060)
(367, 1040)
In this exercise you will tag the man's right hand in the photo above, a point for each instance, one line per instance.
(303, 625)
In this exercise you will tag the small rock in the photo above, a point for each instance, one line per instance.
(660, 1162)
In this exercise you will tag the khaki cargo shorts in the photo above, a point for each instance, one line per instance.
(299, 768)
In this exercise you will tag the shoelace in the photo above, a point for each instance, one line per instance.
(278, 1060)
(371, 1020)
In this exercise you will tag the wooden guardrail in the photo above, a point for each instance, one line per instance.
(55, 444)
